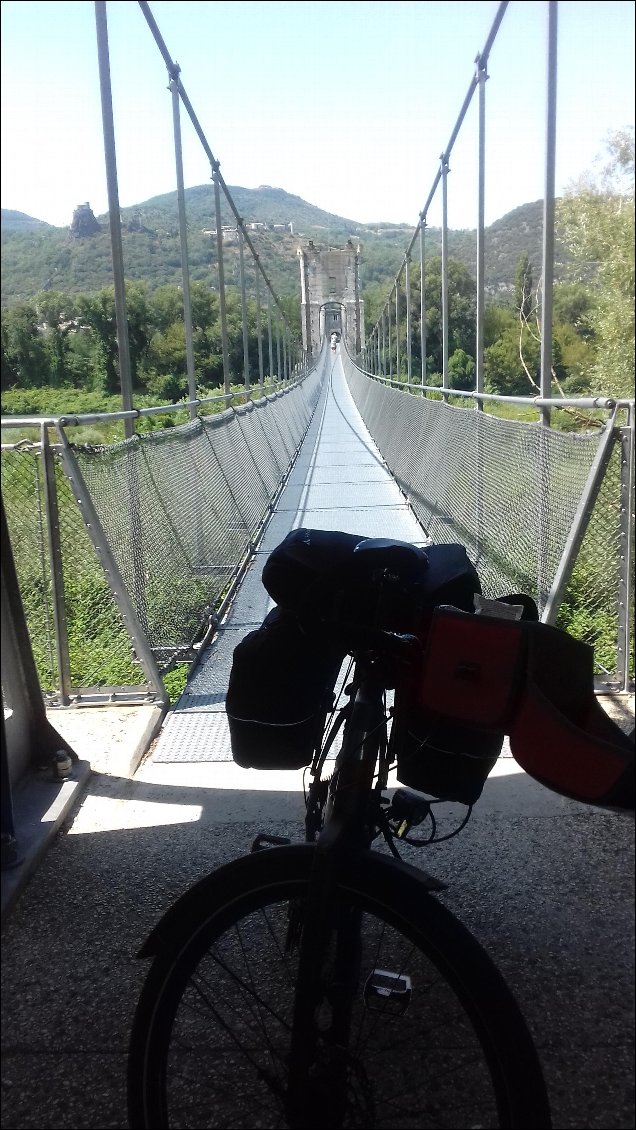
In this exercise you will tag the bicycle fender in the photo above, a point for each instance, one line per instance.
(392, 866)
(185, 915)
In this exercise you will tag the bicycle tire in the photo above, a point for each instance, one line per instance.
(209, 1039)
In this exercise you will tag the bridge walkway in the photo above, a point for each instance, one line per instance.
(339, 481)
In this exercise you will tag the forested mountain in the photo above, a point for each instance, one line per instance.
(19, 221)
(37, 256)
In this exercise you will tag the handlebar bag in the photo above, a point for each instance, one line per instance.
(280, 690)
(306, 565)
(338, 578)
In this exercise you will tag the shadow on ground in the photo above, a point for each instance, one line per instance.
(547, 887)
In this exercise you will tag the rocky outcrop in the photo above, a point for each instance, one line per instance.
(84, 223)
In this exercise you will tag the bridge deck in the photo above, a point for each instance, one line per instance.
(338, 482)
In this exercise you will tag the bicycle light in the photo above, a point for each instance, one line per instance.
(408, 809)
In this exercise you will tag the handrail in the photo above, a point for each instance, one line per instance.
(605, 402)
(67, 419)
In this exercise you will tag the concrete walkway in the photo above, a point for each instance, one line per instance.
(546, 884)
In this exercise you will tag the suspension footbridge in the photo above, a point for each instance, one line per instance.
(135, 558)
(125, 562)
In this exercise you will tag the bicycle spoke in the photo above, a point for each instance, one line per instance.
(220, 1057)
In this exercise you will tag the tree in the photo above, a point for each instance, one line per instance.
(461, 313)
(497, 320)
(139, 329)
(504, 370)
(523, 287)
(571, 305)
(596, 223)
(97, 314)
(25, 361)
(56, 314)
(461, 371)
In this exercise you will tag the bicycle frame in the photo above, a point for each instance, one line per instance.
(317, 1094)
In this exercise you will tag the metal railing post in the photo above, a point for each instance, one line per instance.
(407, 286)
(183, 235)
(357, 301)
(626, 564)
(423, 296)
(445, 171)
(111, 569)
(380, 343)
(278, 356)
(481, 76)
(580, 521)
(548, 213)
(114, 214)
(397, 327)
(388, 307)
(246, 351)
(269, 336)
(259, 335)
(221, 274)
(57, 572)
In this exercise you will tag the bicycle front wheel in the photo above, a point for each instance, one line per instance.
(435, 1038)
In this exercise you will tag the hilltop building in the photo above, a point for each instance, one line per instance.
(84, 223)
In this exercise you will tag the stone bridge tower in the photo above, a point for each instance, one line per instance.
(330, 296)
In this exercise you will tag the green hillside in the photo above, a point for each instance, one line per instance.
(37, 256)
(19, 221)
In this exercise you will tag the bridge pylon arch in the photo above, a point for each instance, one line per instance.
(330, 283)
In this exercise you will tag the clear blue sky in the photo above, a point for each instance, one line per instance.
(349, 105)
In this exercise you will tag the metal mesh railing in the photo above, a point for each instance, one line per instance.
(98, 648)
(23, 497)
(179, 509)
(509, 491)
(591, 608)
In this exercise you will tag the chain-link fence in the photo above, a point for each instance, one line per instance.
(179, 510)
(96, 650)
(510, 492)
(595, 607)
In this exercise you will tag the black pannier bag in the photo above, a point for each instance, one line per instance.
(437, 756)
(452, 717)
(336, 578)
(280, 691)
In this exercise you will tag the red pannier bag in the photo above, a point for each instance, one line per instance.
(560, 733)
(486, 677)
(451, 719)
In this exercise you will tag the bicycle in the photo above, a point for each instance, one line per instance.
(322, 984)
